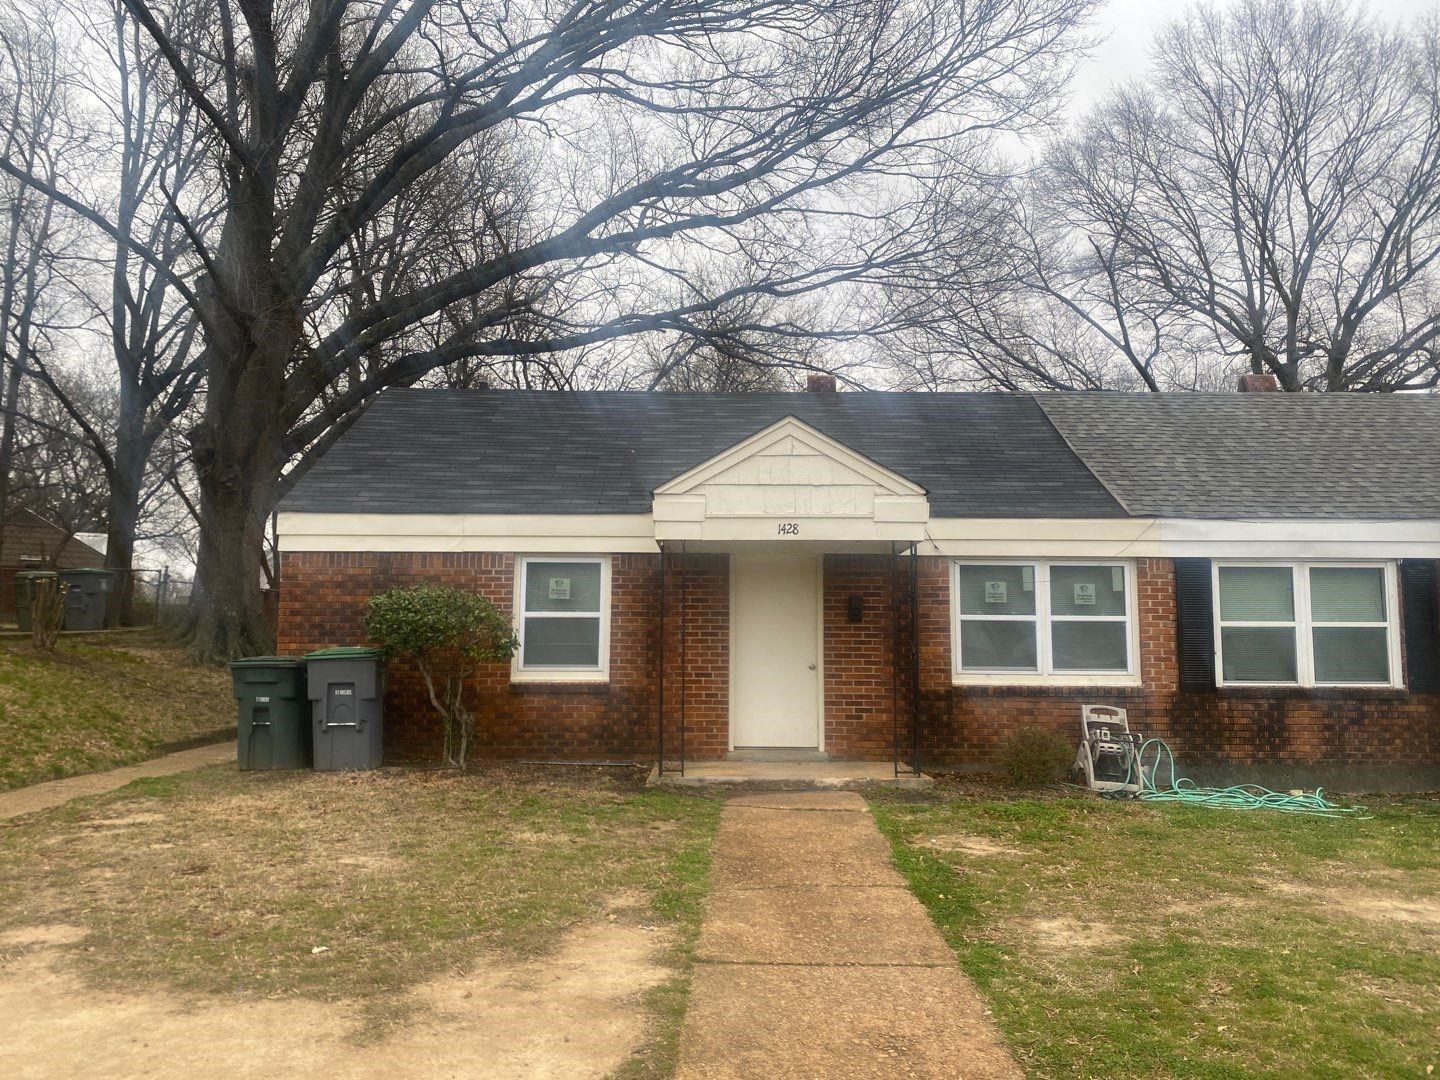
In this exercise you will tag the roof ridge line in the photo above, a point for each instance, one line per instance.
(1081, 458)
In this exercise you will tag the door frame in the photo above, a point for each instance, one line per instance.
(819, 562)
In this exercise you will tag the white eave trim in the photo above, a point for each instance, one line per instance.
(1174, 538)
(553, 534)
(1104, 538)
(1295, 539)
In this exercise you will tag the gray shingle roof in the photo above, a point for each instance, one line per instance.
(1233, 456)
(1267, 455)
(550, 452)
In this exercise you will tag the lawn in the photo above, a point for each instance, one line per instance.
(364, 889)
(1120, 939)
(101, 701)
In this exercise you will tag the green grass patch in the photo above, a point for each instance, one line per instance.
(1123, 939)
(100, 702)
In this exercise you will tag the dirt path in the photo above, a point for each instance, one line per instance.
(576, 1015)
(28, 800)
(816, 960)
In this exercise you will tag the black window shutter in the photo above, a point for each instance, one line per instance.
(1422, 625)
(1195, 611)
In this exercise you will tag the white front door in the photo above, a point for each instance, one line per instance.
(775, 652)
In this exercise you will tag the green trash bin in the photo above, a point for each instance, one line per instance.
(85, 600)
(347, 692)
(24, 597)
(274, 727)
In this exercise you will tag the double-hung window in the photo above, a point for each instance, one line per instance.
(563, 611)
(1044, 621)
(1306, 624)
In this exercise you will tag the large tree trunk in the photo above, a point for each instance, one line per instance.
(122, 512)
(227, 617)
(253, 331)
(7, 436)
(236, 451)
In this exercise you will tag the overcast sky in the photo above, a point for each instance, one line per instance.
(1131, 24)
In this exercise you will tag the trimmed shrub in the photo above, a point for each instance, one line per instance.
(1033, 756)
(449, 633)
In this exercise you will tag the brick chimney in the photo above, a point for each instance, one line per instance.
(1258, 384)
(817, 383)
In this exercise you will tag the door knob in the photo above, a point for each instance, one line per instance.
(812, 667)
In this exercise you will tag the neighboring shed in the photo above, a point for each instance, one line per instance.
(32, 543)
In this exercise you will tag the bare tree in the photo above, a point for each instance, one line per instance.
(1035, 310)
(1274, 185)
(33, 112)
(809, 126)
(53, 472)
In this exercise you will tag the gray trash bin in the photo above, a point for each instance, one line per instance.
(85, 601)
(346, 690)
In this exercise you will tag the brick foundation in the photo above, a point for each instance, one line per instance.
(1349, 731)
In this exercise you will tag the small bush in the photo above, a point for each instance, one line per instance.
(450, 634)
(1033, 756)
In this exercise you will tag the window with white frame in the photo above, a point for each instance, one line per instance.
(562, 608)
(1041, 619)
(1306, 624)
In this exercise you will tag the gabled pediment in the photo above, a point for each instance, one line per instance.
(787, 473)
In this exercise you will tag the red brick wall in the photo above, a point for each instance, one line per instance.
(323, 594)
(861, 684)
(697, 612)
(322, 599)
(1215, 731)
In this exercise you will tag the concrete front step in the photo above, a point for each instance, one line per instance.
(777, 755)
(788, 775)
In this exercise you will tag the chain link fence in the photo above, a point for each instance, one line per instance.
(150, 597)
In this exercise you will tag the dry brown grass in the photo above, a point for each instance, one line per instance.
(409, 919)
(220, 882)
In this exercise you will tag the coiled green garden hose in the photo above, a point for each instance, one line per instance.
(1238, 797)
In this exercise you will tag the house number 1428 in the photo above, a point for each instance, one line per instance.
(789, 528)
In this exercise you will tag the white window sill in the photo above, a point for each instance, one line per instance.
(1020, 678)
(1308, 686)
(559, 676)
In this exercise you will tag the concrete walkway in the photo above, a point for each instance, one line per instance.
(815, 960)
(28, 800)
(790, 776)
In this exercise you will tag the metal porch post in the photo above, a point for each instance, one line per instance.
(895, 655)
(684, 648)
(660, 675)
(915, 655)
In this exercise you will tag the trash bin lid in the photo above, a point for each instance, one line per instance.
(344, 652)
(267, 661)
(28, 574)
(87, 570)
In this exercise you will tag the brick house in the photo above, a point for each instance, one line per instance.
(907, 577)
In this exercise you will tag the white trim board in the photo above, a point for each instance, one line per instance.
(548, 534)
(1106, 538)
(1318, 539)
